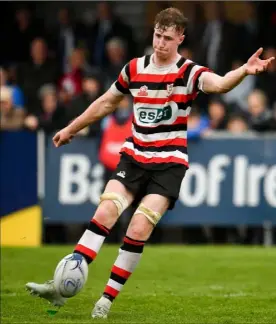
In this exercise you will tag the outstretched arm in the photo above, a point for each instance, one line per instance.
(213, 83)
(100, 108)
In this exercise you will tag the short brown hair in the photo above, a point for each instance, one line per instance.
(171, 17)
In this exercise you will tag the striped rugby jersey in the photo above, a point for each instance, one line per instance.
(162, 99)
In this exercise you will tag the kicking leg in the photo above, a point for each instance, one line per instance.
(146, 216)
(115, 199)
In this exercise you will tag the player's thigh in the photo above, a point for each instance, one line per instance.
(115, 186)
(122, 187)
(156, 202)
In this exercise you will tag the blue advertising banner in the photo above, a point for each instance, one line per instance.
(18, 171)
(230, 182)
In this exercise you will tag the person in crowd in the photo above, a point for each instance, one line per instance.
(218, 114)
(70, 84)
(66, 35)
(17, 94)
(198, 124)
(33, 74)
(11, 118)
(51, 115)
(92, 86)
(116, 53)
(25, 28)
(237, 124)
(249, 33)
(214, 48)
(259, 114)
(116, 128)
(267, 81)
(107, 26)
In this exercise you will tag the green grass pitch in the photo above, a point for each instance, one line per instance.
(172, 284)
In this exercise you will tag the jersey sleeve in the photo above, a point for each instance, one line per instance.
(192, 79)
(121, 85)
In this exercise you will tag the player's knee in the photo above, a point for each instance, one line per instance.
(152, 216)
(118, 200)
(139, 231)
(106, 213)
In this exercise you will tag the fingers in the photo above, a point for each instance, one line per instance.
(56, 139)
(59, 142)
(267, 62)
(259, 52)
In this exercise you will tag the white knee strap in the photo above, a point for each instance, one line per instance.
(151, 215)
(119, 200)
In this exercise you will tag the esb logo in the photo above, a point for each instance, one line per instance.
(154, 115)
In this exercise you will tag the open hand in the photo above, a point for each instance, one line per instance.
(255, 65)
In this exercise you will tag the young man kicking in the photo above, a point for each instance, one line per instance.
(154, 159)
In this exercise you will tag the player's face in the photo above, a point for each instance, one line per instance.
(166, 42)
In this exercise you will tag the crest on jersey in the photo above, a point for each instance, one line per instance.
(169, 89)
(143, 92)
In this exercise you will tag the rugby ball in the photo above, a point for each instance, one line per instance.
(70, 275)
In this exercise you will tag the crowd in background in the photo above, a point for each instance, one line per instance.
(49, 77)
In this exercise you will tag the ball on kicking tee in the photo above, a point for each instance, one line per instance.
(70, 275)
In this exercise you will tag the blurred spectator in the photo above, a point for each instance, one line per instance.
(107, 26)
(116, 53)
(267, 81)
(25, 29)
(195, 28)
(70, 84)
(34, 74)
(217, 114)
(249, 36)
(215, 49)
(10, 118)
(116, 128)
(66, 36)
(92, 89)
(51, 115)
(260, 116)
(17, 94)
(237, 98)
(267, 22)
(197, 124)
(237, 124)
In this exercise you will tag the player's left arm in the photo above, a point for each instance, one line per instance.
(213, 83)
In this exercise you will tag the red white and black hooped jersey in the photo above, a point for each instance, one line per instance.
(162, 99)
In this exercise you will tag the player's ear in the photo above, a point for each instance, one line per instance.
(181, 39)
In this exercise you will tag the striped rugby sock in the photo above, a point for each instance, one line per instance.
(129, 256)
(91, 241)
